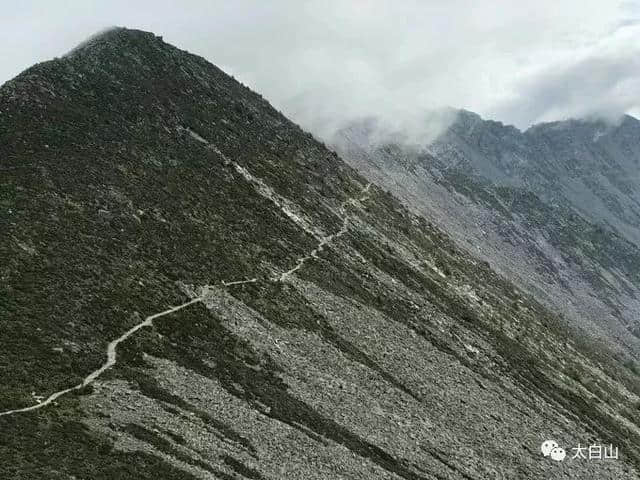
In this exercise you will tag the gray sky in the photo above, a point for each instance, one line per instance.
(323, 62)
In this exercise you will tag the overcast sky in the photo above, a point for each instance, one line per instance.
(322, 62)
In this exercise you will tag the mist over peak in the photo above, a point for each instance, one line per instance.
(542, 62)
(423, 130)
(416, 130)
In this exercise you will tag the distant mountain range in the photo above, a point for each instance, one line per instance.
(554, 208)
(193, 287)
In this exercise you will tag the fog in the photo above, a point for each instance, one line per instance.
(325, 63)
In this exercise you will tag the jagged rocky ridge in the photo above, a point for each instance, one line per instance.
(553, 208)
(326, 331)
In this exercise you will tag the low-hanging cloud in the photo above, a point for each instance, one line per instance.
(325, 63)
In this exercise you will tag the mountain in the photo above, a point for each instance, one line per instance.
(591, 165)
(554, 208)
(192, 287)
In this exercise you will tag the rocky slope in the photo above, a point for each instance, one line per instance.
(553, 209)
(193, 287)
(592, 165)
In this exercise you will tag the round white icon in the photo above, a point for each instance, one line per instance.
(558, 454)
(547, 446)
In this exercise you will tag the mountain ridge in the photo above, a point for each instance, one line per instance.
(134, 175)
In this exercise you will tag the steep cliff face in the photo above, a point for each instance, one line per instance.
(193, 287)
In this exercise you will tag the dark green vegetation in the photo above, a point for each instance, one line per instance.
(42, 440)
(390, 355)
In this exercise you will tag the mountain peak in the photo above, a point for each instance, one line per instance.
(104, 49)
(117, 37)
(586, 124)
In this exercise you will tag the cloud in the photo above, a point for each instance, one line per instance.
(324, 63)
(601, 80)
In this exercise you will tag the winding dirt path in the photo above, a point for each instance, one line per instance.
(324, 241)
(284, 204)
(111, 359)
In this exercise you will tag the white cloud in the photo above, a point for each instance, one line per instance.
(323, 62)
(601, 79)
